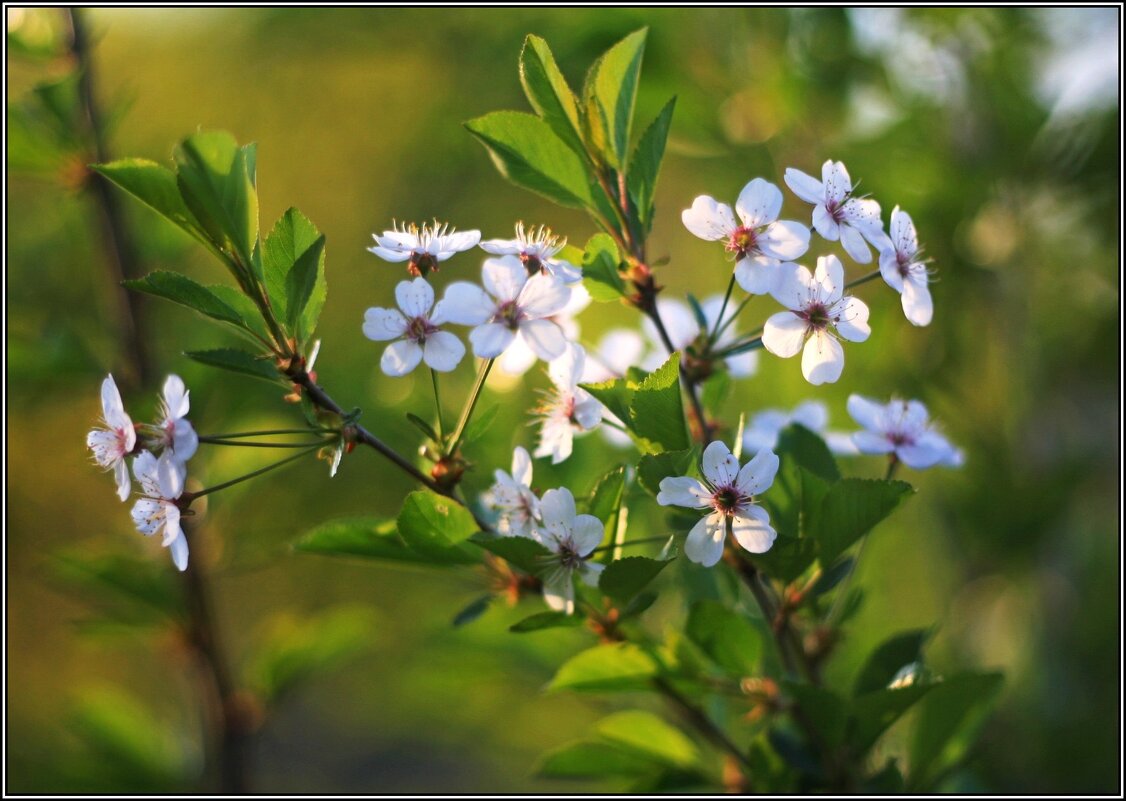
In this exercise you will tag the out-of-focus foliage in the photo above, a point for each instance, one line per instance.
(993, 128)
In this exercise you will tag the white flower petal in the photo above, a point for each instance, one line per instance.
(382, 325)
(928, 450)
(752, 534)
(917, 304)
(517, 358)
(759, 203)
(589, 572)
(587, 533)
(704, 544)
(179, 552)
(171, 525)
(757, 475)
(391, 255)
(442, 351)
(565, 271)
(399, 358)
(113, 411)
(557, 507)
(185, 441)
(121, 476)
(683, 491)
(170, 476)
(175, 396)
(756, 274)
(854, 245)
(490, 340)
(903, 235)
(557, 439)
(145, 471)
(793, 286)
(463, 303)
(784, 240)
(148, 515)
(836, 180)
(822, 360)
(742, 365)
(544, 295)
(719, 465)
(709, 219)
(850, 318)
(504, 277)
(863, 214)
(544, 337)
(588, 411)
(829, 279)
(823, 221)
(559, 591)
(784, 334)
(566, 370)
(502, 247)
(804, 185)
(458, 241)
(521, 467)
(871, 442)
(415, 298)
(866, 411)
(889, 269)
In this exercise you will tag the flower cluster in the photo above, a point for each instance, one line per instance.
(160, 454)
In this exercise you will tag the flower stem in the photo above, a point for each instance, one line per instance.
(471, 404)
(863, 279)
(643, 541)
(236, 443)
(276, 431)
(738, 310)
(191, 496)
(437, 403)
(722, 310)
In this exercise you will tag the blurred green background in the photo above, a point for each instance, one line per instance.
(997, 131)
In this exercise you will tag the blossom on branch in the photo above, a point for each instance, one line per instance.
(901, 428)
(162, 482)
(117, 440)
(423, 247)
(536, 248)
(568, 409)
(904, 271)
(836, 214)
(572, 538)
(177, 436)
(416, 331)
(512, 496)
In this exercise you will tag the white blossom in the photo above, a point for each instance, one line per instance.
(904, 271)
(568, 409)
(836, 214)
(512, 496)
(177, 436)
(759, 240)
(415, 330)
(819, 313)
(901, 428)
(116, 441)
(536, 248)
(162, 482)
(764, 427)
(519, 357)
(571, 538)
(729, 492)
(514, 304)
(424, 247)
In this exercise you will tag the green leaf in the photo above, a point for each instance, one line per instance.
(788, 558)
(527, 152)
(833, 576)
(606, 500)
(365, 537)
(422, 426)
(609, 95)
(850, 509)
(156, 187)
(549, 94)
(301, 281)
(217, 182)
(243, 306)
(292, 240)
(143, 583)
(888, 659)
(646, 734)
(614, 667)
(587, 760)
(808, 450)
(436, 527)
(728, 638)
(624, 578)
(615, 394)
(873, 713)
(826, 711)
(948, 719)
(183, 290)
(655, 466)
(546, 620)
(473, 610)
(524, 553)
(645, 166)
(601, 275)
(237, 361)
(656, 409)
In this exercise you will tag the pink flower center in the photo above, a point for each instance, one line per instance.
(568, 555)
(419, 328)
(729, 500)
(532, 263)
(815, 315)
(509, 314)
(836, 210)
(742, 241)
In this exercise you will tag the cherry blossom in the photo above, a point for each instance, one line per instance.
(904, 271)
(519, 357)
(729, 492)
(415, 330)
(512, 496)
(572, 538)
(819, 313)
(177, 436)
(117, 440)
(837, 214)
(423, 247)
(568, 409)
(536, 248)
(162, 481)
(759, 240)
(901, 428)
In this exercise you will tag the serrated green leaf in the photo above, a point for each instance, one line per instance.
(183, 290)
(546, 620)
(606, 499)
(549, 94)
(365, 537)
(655, 466)
(292, 264)
(436, 527)
(422, 426)
(609, 96)
(601, 276)
(480, 424)
(524, 553)
(616, 395)
(787, 558)
(874, 712)
(645, 165)
(528, 153)
(888, 659)
(624, 578)
(728, 638)
(808, 450)
(646, 734)
(156, 187)
(243, 306)
(850, 509)
(948, 719)
(656, 409)
(612, 667)
(237, 361)
(300, 282)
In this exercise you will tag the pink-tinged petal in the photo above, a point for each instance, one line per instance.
(863, 214)
(521, 467)
(175, 396)
(587, 533)
(784, 240)
(850, 318)
(793, 286)
(823, 221)
(113, 410)
(917, 304)
(145, 471)
(502, 247)
(463, 304)
(757, 475)
(854, 245)
(590, 572)
(544, 295)
(837, 182)
(442, 351)
(390, 255)
(544, 337)
(752, 534)
(829, 279)
(415, 298)
(872, 443)
(903, 235)
(170, 476)
(557, 507)
(399, 358)
(759, 203)
(504, 277)
(709, 219)
(171, 524)
(804, 185)
(382, 325)
(684, 491)
(704, 544)
(889, 269)
(566, 370)
(784, 334)
(121, 476)
(719, 465)
(867, 412)
(557, 439)
(822, 360)
(756, 274)
(559, 591)
(490, 340)
(179, 552)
